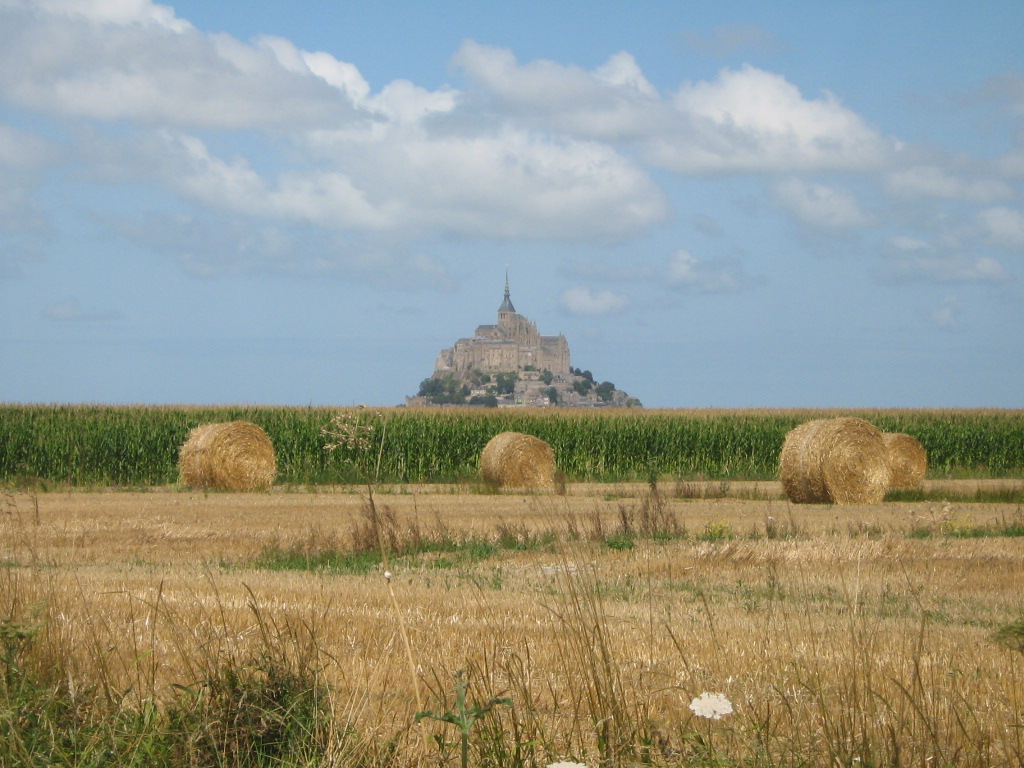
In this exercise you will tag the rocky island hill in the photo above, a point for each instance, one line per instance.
(510, 364)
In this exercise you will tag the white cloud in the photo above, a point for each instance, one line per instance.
(931, 267)
(18, 211)
(821, 206)
(71, 310)
(1011, 164)
(403, 102)
(903, 243)
(117, 68)
(119, 12)
(339, 74)
(747, 120)
(622, 71)
(687, 271)
(930, 181)
(753, 120)
(506, 184)
(915, 260)
(323, 197)
(582, 301)
(947, 313)
(19, 149)
(615, 102)
(1004, 227)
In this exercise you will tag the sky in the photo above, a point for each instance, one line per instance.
(720, 205)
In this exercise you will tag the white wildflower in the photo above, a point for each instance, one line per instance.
(387, 575)
(711, 705)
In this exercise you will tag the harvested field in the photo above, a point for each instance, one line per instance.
(837, 633)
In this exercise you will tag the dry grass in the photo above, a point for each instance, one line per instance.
(835, 634)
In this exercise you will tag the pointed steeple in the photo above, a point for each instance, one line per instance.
(506, 305)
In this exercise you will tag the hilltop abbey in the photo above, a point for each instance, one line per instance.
(512, 345)
(510, 364)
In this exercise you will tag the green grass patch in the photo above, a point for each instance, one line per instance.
(953, 529)
(978, 495)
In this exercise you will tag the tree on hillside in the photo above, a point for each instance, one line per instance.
(444, 391)
(506, 382)
(605, 390)
(582, 386)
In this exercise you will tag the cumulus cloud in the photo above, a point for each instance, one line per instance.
(710, 276)
(263, 130)
(746, 120)
(821, 206)
(615, 102)
(119, 12)
(949, 269)
(914, 260)
(1011, 164)
(18, 210)
(206, 246)
(753, 120)
(934, 182)
(339, 74)
(162, 72)
(946, 314)
(507, 184)
(582, 301)
(21, 150)
(1004, 227)
(71, 311)
(320, 196)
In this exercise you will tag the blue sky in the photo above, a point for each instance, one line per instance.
(732, 204)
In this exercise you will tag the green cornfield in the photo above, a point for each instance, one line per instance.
(137, 446)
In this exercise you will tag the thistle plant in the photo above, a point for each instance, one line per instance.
(353, 433)
(463, 716)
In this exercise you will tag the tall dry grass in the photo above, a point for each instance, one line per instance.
(840, 637)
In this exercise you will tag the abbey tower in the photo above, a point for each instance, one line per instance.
(512, 345)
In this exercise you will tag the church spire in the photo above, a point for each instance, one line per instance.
(506, 305)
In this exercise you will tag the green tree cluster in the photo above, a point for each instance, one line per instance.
(444, 391)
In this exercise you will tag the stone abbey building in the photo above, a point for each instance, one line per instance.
(512, 345)
(510, 364)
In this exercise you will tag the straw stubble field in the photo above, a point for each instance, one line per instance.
(841, 635)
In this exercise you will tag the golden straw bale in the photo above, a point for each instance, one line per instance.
(515, 460)
(908, 460)
(834, 461)
(229, 456)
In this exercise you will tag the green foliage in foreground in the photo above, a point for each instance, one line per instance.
(254, 713)
(137, 445)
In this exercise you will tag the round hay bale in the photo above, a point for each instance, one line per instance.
(515, 460)
(908, 460)
(229, 456)
(834, 461)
